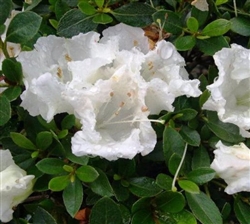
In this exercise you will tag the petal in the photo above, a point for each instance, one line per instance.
(6, 159)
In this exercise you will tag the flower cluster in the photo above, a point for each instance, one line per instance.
(230, 94)
(111, 84)
(232, 163)
(15, 185)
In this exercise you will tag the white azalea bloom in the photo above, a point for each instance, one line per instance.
(56, 61)
(15, 185)
(230, 94)
(114, 118)
(200, 4)
(232, 163)
(167, 77)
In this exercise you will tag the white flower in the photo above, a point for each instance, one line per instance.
(55, 62)
(200, 4)
(232, 163)
(230, 94)
(15, 185)
(114, 118)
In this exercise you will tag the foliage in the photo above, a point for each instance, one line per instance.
(146, 189)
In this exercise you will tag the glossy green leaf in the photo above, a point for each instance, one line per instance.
(187, 114)
(242, 211)
(226, 131)
(99, 3)
(199, 15)
(22, 141)
(51, 166)
(170, 201)
(74, 22)
(192, 24)
(73, 196)
(134, 14)
(189, 186)
(190, 136)
(12, 92)
(204, 209)
(44, 140)
(101, 185)
(12, 70)
(217, 28)
(241, 26)
(171, 21)
(185, 43)
(143, 187)
(5, 110)
(59, 183)
(140, 204)
(105, 211)
(5, 9)
(87, 173)
(182, 217)
(200, 158)
(204, 97)
(226, 210)
(211, 45)
(102, 18)
(86, 8)
(23, 27)
(144, 216)
(164, 181)
(68, 122)
(173, 163)
(220, 2)
(201, 175)
(41, 216)
(121, 192)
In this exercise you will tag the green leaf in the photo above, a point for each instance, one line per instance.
(73, 196)
(105, 211)
(226, 210)
(201, 175)
(191, 136)
(164, 181)
(101, 185)
(74, 22)
(140, 204)
(87, 173)
(51, 166)
(226, 131)
(12, 70)
(59, 183)
(200, 158)
(185, 43)
(5, 110)
(41, 216)
(12, 92)
(99, 3)
(173, 163)
(220, 2)
(187, 114)
(121, 192)
(170, 201)
(204, 209)
(242, 211)
(212, 45)
(217, 28)
(22, 141)
(204, 97)
(172, 22)
(189, 186)
(192, 24)
(23, 27)
(5, 10)
(143, 187)
(68, 122)
(241, 26)
(102, 18)
(172, 143)
(144, 216)
(44, 140)
(200, 16)
(134, 14)
(86, 8)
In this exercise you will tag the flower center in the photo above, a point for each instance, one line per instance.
(244, 100)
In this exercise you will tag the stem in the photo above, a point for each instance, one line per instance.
(179, 168)
(235, 8)
(3, 46)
